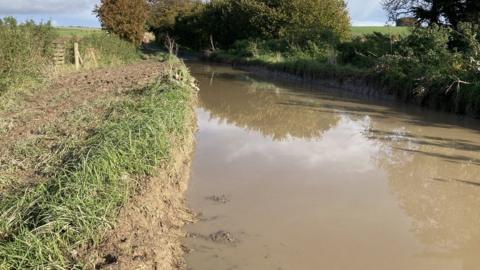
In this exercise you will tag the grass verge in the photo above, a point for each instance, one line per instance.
(43, 227)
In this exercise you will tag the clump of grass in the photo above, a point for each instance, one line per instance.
(43, 227)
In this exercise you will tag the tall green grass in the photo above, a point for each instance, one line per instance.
(25, 52)
(43, 227)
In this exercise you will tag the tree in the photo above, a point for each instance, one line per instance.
(196, 23)
(163, 13)
(317, 20)
(448, 12)
(299, 21)
(126, 18)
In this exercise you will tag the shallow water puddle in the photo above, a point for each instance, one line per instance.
(290, 178)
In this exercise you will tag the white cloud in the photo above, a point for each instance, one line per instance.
(367, 12)
(63, 12)
(363, 12)
(46, 6)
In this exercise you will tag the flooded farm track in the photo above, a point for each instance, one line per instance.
(289, 177)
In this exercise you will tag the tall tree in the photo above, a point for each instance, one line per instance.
(449, 12)
(297, 20)
(126, 18)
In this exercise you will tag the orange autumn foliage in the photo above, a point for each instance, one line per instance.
(126, 18)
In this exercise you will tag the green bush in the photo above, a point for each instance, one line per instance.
(315, 20)
(317, 51)
(25, 51)
(257, 48)
(423, 67)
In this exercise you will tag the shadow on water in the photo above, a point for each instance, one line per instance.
(458, 181)
(443, 142)
(336, 109)
(458, 158)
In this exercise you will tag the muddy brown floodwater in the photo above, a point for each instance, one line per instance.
(297, 177)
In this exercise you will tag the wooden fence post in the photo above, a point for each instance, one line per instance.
(77, 56)
(90, 57)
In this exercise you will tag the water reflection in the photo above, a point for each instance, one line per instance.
(438, 187)
(258, 107)
(368, 186)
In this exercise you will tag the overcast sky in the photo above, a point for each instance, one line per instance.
(79, 12)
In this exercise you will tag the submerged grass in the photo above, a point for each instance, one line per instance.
(44, 227)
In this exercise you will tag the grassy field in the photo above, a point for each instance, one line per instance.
(362, 30)
(76, 31)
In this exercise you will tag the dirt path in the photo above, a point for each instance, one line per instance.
(73, 90)
(35, 132)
